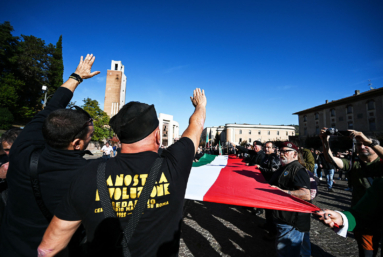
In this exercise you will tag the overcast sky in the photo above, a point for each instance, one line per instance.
(258, 61)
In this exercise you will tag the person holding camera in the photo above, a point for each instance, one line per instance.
(362, 173)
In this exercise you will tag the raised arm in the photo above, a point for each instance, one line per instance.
(327, 151)
(197, 120)
(57, 236)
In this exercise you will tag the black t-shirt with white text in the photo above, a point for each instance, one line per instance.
(158, 231)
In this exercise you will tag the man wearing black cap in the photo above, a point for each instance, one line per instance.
(292, 178)
(158, 231)
(256, 155)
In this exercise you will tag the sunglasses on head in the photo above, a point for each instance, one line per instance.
(79, 109)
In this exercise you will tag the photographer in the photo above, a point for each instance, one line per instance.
(362, 172)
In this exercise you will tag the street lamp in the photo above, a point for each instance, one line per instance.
(45, 88)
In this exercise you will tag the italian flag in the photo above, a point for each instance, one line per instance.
(227, 179)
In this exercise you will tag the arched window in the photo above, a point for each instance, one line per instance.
(249, 132)
(316, 116)
(240, 131)
(349, 109)
(332, 112)
(305, 118)
(371, 105)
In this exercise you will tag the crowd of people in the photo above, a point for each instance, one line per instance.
(53, 201)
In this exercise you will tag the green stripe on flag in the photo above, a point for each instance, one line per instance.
(205, 159)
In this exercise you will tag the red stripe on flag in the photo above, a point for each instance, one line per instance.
(238, 184)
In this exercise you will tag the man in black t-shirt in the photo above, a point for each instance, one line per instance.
(62, 135)
(292, 178)
(158, 231)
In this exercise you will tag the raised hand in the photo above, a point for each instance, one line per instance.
(199, 98)
(85, 66)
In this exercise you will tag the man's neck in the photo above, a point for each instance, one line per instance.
(129, 148)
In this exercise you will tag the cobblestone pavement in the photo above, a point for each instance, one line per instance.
(211, 229)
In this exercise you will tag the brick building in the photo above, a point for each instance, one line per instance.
(115, 89)
(361, 111)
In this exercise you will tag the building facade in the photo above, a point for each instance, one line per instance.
(238, 133)
(115, 89)
(359, 112)
(169, 129)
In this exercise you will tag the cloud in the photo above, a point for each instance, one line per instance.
(100, 79)
(175, 68)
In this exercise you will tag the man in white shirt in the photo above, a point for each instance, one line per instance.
(106, 149)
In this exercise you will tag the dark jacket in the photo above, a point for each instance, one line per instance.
(23, 225)
(284, 179)
(255, 157)
(326, 165)
(269, 165)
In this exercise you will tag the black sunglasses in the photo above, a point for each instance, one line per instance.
(79, 109)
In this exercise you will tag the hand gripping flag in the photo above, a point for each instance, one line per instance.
(226, 179)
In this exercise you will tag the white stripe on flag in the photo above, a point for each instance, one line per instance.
(202, 178)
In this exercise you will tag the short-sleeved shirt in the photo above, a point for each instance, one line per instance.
(107, 149)
(158, 232)
(359, 176)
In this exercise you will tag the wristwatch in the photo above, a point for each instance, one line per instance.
(374, 143)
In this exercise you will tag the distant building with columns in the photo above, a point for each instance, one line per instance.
(115, 89)
(238, 133)
(169, 129)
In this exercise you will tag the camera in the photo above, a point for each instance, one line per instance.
(336, 132)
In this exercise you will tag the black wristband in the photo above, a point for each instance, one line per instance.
(374, 143)
(75, 77)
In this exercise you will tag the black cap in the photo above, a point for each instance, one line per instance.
(134, 122)
(258, 143)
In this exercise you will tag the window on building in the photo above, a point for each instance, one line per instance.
(372, 124)
(249, 132)
(116, 66)
(371, 105)
(317, 131)
(332, 112)
(304, 132)
(277, 133)
(287, 133)
(259, 132)
(305, 118)
(268, 132)
(240, 140)
(240, 131)
(316, 115)
(249, 140)
(350, 125)
(349, 109)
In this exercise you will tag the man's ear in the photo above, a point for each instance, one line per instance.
(76, 144)
(158, 137)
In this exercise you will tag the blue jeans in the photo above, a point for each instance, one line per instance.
(106, 157)
(288, 241)
(306, 245)
(315, 170)
(329, 176)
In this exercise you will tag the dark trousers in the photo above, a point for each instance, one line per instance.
(270, 221)
(106, 157)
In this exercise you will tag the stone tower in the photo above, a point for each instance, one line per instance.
(115, 89)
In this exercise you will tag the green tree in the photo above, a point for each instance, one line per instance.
(6, 118)
(56, 67)
(100, 120)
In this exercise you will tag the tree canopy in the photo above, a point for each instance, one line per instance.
(26, 64)
(100, 119)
